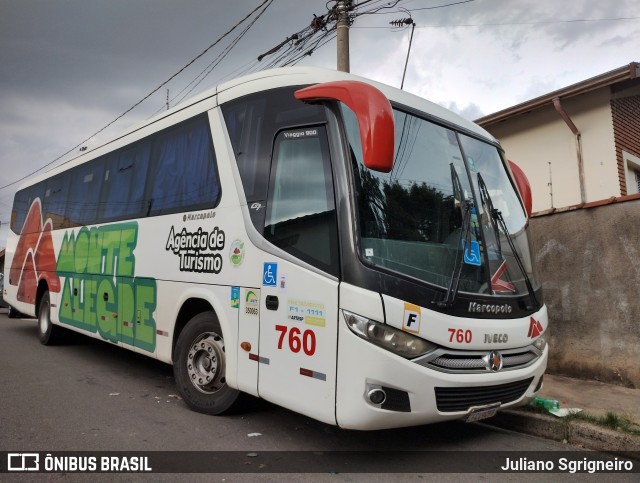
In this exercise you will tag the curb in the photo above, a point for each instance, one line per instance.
(574, 432)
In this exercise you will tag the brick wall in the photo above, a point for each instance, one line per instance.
(625, 113)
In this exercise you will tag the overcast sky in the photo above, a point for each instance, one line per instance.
(69, 67)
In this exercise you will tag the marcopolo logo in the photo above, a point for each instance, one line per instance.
(100, 292)
(194, 249)
(477, 308)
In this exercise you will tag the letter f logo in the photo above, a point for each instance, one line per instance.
(411, 319)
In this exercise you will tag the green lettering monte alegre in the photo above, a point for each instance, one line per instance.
(100, 291)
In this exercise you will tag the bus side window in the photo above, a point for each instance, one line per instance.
(22, 204)
(253, 122)
(184, 171)
(301, 213)
(84, 192)
(55, 200)
(124, 183)
(245, 123)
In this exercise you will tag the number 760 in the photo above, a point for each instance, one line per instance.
(297, 339)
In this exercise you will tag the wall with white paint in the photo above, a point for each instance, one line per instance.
(541, 143)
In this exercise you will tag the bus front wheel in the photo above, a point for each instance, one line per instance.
(199, 365)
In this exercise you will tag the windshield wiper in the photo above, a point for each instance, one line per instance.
(466, 207)
(498, 223)
(494, 214)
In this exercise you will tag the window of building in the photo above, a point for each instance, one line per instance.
(632, 168)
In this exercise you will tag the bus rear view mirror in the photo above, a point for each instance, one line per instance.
(374, 114)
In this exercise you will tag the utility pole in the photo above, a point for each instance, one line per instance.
(342, 34)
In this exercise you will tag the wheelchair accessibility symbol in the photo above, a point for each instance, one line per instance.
(270, 274)
(472, 254)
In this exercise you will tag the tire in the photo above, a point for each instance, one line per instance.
(48, 333)
(13, 313)
(199, 366)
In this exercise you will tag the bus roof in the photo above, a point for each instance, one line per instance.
(269, 79)
(260, 81)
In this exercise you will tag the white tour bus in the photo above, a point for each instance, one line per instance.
(333, 245)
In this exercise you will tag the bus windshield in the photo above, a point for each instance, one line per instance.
(425, 218)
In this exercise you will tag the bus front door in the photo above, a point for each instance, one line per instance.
(299, 292)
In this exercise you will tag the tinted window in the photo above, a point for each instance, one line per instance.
(124, 183)
(22, 203)
(301, 215)
(55, 200)
(168, 172)
(185, 176)
(253, 122)
(411, 219)
(84, 193)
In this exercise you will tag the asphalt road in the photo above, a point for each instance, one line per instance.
(88, 395)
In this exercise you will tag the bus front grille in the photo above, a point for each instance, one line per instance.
(455, 399)
(469, 362)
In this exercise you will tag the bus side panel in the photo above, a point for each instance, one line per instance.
(11, 275)
(30, 258)
(203, 255)
(298, 330)
(173, 295)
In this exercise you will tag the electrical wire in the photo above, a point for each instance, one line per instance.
(141, 100)
(308, 41)
(213, 64)
(440, 6)
(508, 24)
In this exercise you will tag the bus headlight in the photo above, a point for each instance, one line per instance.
(540, 343)
(387, 337)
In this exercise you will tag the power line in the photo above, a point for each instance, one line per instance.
(197, 80)
(141, 100)
(295, 52)
(508, 24)
(440, 6)
(296, 43)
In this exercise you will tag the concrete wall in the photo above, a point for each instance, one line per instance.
(537, 138)
(589, 264)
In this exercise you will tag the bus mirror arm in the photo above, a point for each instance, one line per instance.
(373, 112)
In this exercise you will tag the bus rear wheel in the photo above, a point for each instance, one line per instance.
(199, 367)
(48, 333)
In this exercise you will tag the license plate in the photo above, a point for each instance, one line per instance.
(482, 412)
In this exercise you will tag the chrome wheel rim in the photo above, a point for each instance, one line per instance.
(205, 363)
